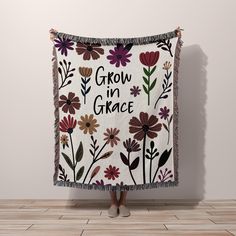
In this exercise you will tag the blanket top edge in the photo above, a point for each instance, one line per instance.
(113, 41)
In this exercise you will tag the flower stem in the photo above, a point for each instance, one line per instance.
(155, 175)
(168, 130)
(148, 86)
(150, 177)
(85, 90)
(130, 169)
(100, 151)
(72, 149)
(89, 180)
(144, 144)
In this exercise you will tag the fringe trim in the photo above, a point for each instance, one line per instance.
(118, 187)
(114, 41)
(56, 114)
(176, 109)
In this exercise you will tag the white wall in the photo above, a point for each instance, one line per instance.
(207, 85)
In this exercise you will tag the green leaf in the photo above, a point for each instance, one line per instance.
(79, 152)
(68, 160)
(80, 173)
(145, 80)
(164, 158)
(152, 85)
(145, 89)
(134, 164)
(152, 70)
(146, 72)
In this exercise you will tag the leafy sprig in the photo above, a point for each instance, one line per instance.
(165, 45)
(65, 73)
(166, 87)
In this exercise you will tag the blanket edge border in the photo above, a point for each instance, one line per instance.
(114, 41)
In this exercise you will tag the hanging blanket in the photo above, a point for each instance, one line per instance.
(116, 111)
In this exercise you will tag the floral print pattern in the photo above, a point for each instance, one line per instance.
(111, 136)
(88, 124)
(135, 91)
(116, 110)
(119, 56)
(111, 172)
(63, 45)
(89, 51)
(69, 103)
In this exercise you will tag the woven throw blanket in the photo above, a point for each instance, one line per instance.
(116, 111)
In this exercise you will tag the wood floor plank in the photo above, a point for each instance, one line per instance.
(43, 233)
(46, 221)
(89, 217)
(201, 227)
(153, 233)
(14, 226)
(233, 232)
(151, 221)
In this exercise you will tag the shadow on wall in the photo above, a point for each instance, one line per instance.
(192, 125)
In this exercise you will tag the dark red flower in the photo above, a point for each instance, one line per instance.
(69, 103)
(149, 58)
(145, 126)
(89, 50)
(112, 172)
(67, 124)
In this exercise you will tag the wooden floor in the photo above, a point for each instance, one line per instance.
(87, 218)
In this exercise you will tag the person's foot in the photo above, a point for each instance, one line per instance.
(113, 211)
(124, 211)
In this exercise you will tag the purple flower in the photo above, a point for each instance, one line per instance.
(63, 45)
(119, 56)
(164, 112)
(135, 90)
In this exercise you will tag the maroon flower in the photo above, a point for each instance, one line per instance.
(69, 103)
(112, 172)
(135, 91)
(99, 182)
(145, 126)
(149, 58)
(67, 124)
(131, 146)
(89, 50)
(63, 45)
(164, 112)
(119, 56)
(111, 136)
